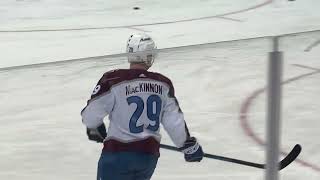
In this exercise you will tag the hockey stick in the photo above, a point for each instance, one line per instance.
(284, 163)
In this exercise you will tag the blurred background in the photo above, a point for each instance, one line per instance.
(53, 52)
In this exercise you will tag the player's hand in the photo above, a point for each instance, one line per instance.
(97, 134)
(192, 150)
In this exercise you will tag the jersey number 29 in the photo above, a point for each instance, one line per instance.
(151, 114)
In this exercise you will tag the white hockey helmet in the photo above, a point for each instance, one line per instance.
(141, 49)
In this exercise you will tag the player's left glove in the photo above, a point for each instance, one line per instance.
(97, 134)
(192, 150)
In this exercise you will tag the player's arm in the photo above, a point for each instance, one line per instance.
(100, 105)
(175, 125)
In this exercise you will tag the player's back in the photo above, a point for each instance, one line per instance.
(135, 100)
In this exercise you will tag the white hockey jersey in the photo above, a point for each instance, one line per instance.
(137, 102)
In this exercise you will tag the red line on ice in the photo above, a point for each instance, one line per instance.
(249, 131)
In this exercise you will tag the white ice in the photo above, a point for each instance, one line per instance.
(41, 135)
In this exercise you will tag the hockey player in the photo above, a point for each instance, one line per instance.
(137, 102)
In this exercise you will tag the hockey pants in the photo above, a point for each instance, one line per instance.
(126, 166)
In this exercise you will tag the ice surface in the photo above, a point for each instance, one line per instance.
(41, 136)
(114, 21)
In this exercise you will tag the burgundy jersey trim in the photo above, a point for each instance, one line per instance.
(114, 77)
(149, 145)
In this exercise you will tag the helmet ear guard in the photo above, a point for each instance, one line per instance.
(141, 49)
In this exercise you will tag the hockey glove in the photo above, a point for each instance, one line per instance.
(97, 134)
(192, 150)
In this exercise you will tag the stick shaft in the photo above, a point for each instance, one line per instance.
(284, 163)
(222, 158)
